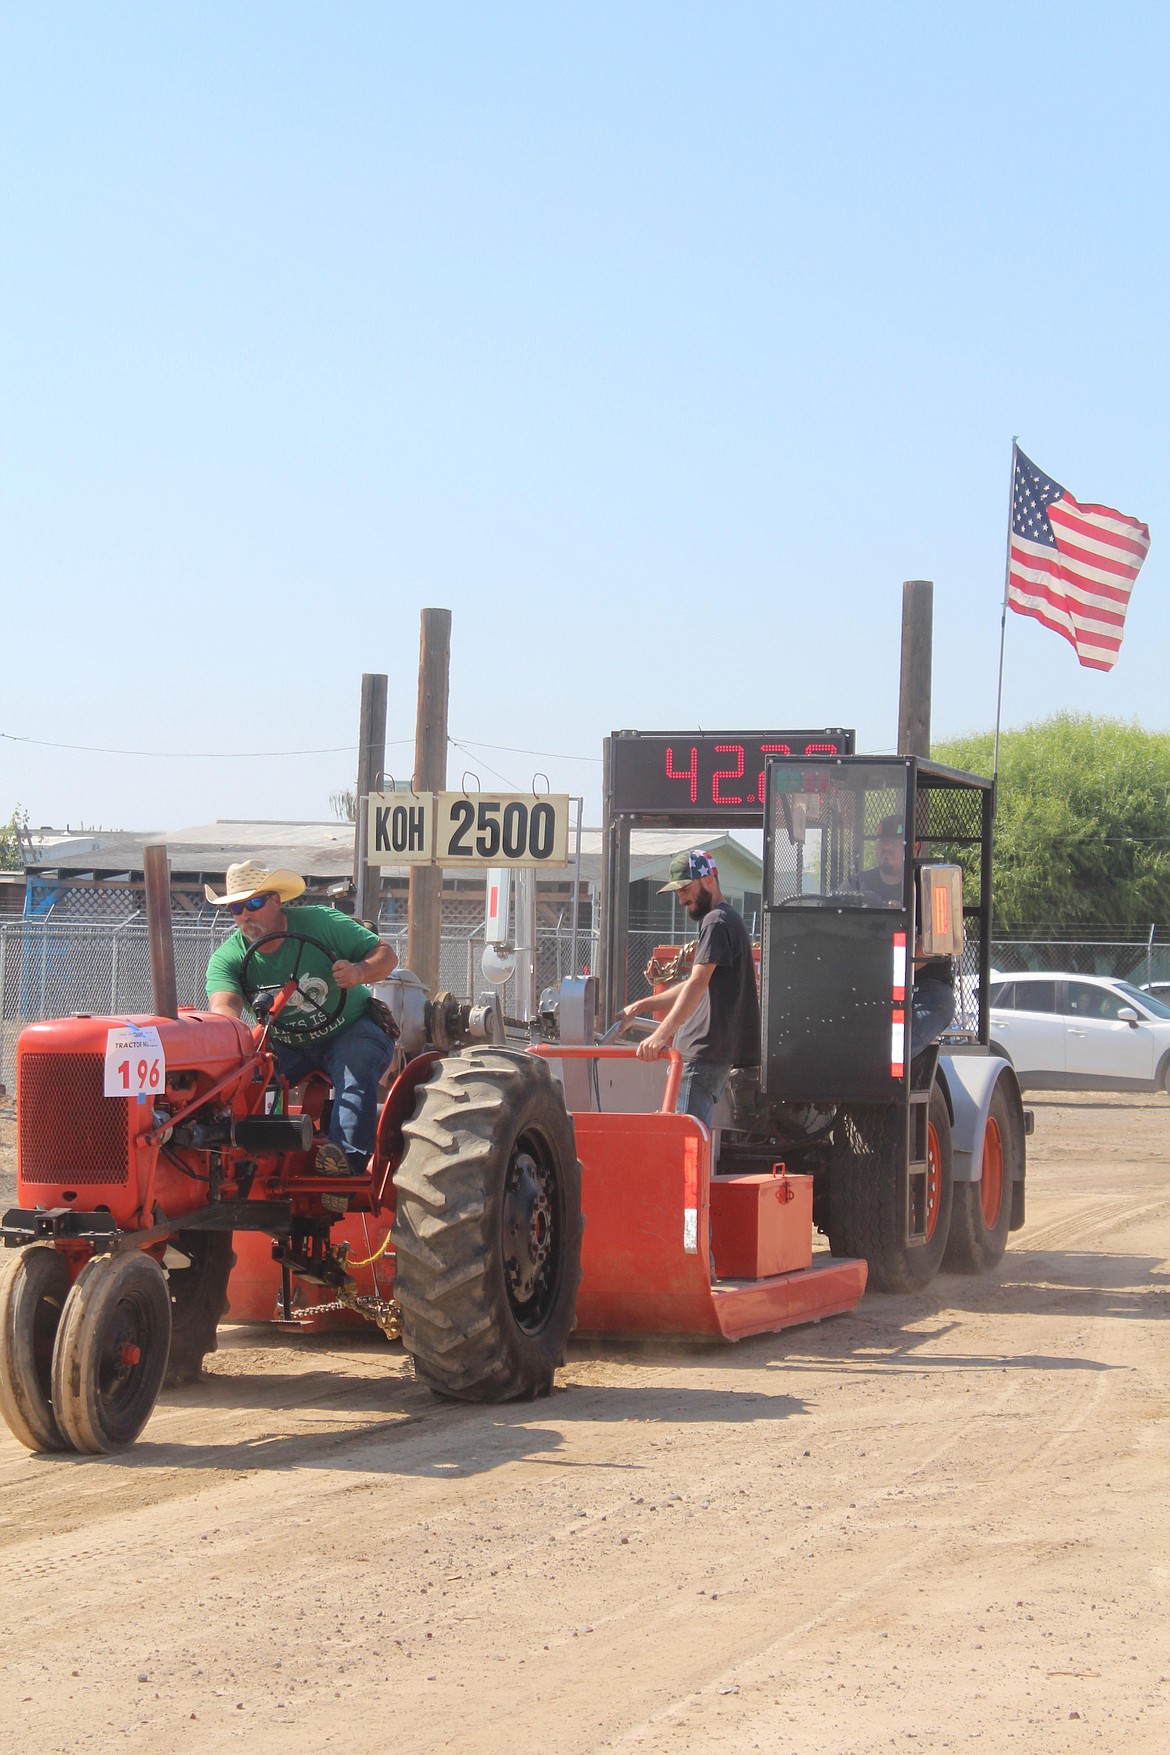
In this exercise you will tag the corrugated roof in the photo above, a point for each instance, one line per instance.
(325, 851)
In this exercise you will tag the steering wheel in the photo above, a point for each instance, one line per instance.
(291, 1023)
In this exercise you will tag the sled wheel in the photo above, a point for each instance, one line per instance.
(111, 1351)
(865, 1213)
(33, 1290)
(199, 1301)
(487, 1231)
(982, 1212)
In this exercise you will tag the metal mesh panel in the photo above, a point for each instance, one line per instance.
(948, 813)
(826, 826)
(69, 1131)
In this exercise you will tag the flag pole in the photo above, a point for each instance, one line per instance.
(1007, 571)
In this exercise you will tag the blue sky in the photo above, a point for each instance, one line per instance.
(659, 343)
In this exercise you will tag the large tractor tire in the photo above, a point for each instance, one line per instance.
(487, 1231)
(111, 1351)
(34, 1284)
(982, 1211)
(864, 1212)
(199, 1301)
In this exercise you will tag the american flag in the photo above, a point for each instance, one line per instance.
(1072, 566)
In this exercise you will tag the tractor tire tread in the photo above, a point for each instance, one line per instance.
(33, 1281)
(864, 1210)
(197, 1310)
(458, 1323)
(973, 1246)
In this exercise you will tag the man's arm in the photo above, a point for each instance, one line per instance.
(228, 1005)
(654, 1002)
(374, 966)
(689, 996)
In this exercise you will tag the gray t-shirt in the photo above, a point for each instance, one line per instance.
(725, 1030)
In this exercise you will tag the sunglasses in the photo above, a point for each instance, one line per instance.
(252, 905)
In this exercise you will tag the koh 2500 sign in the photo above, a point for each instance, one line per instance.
(455, 828)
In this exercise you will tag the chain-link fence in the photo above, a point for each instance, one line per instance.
(54, 969)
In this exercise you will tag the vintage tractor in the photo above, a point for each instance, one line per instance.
(144, 1144)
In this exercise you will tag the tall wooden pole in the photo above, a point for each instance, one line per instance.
(424, 911)
(367, 879)
(914, 695)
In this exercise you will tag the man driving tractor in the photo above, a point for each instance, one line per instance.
(326, 1025)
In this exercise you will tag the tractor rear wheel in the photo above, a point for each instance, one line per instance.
(865, 1212)
(982, 1212)
(33, 1290)
(199, 1301)
(487, 1231)
(111, 1351)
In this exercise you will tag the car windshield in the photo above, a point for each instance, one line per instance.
(1156, 1007)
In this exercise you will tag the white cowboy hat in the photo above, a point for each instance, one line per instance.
(249, 879)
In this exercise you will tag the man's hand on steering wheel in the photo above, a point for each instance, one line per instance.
(296, 1023)
(347, 974)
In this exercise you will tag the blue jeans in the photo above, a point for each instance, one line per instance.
(354, 1060)
(932, 1006)
(700, 1088)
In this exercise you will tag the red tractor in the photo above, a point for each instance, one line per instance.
(145, 1144)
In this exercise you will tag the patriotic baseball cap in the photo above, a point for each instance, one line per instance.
(686, 867)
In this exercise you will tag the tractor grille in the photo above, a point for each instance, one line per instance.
(69, 1132)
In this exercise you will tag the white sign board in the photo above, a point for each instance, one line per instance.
(501, 829)
(476, 830)
(135, 1062)
(400, 828)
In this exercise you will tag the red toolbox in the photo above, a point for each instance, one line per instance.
(760, 1225)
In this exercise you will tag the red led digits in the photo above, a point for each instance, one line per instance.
(691, 773)
(727, 749)
(769, 749)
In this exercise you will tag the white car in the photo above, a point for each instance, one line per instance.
(1081, 1032)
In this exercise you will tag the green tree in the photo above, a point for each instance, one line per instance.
(1082, 834)
(14, 842)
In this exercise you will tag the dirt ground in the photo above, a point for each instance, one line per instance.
(939, 1522)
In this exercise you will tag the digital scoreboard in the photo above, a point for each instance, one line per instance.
(707, 777)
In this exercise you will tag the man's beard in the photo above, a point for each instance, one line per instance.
(701, 905)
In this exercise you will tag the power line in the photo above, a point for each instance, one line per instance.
(342, 749)
(90, 749)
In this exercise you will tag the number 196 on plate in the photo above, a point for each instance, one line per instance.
(136, 1065)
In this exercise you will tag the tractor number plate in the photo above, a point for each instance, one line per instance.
(136, 1065)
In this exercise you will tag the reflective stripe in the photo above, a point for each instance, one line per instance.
(897, 1044)
(690, 1197)
(899, 965)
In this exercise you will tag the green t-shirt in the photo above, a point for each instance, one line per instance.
(341, 937)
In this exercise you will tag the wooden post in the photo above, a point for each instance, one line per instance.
(424, 909)
(914, 695)
(367, 879)
(156, 876)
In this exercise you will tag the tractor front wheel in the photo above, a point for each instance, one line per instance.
(864, 1197)
(33, 1289)
(111, 1351)
(487, 1231)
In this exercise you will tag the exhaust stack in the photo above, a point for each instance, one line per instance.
(156, 871)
